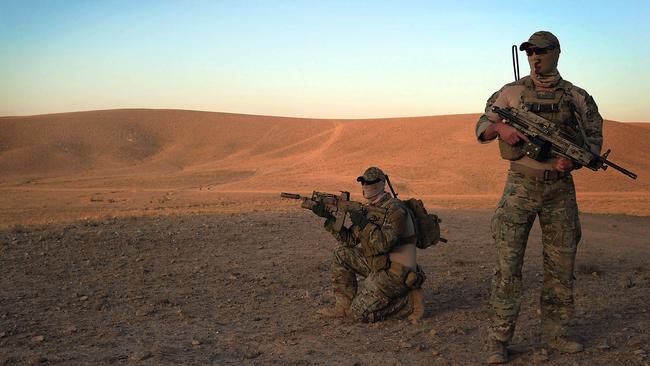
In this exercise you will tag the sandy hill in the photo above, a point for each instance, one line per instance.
(177, 149)
(640, 124)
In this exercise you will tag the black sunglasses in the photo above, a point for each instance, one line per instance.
(538, 50)
(369, 182)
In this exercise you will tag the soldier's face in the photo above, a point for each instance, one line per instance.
(372, 189)
(542, 61)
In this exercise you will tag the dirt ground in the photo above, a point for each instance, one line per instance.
(157, 237)
(242, 287)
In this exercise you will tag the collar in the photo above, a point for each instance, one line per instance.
(385, 197)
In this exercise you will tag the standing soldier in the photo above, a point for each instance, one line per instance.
(385, 255)
(533, 188)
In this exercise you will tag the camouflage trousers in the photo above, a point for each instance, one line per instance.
(554, 201)
(383, 294)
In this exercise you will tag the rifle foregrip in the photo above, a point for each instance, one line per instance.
(308, 204)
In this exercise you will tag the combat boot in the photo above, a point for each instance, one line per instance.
(564, 345)
(417, 299)
(497, 352)
(340, 309)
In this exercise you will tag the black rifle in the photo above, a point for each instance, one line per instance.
(547, 139)
(338, 206)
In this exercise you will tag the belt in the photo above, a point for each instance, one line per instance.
(537, 173)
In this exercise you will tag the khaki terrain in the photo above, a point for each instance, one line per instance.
(158, 237)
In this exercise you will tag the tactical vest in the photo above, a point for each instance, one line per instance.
(382, 261)
(555, 105)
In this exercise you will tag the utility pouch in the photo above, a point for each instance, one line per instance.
(427, 226)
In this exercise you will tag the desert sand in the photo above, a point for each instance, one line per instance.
(88, 164)
(158, 237)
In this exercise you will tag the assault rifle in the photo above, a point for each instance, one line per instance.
(548, 140)
(338, 206)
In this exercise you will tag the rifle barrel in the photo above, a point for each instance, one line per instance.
(292, 196)
(620, 169)
(522, 123)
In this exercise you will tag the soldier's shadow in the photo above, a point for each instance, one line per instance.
(622, 321)
(443, 298)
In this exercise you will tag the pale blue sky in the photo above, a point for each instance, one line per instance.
(329, 59)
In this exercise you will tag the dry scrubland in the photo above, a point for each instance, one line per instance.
(157, 237)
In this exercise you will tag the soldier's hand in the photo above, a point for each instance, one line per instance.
(563, 164)
(358, 218)
(355, 231)
(509, 134)
(320, 210)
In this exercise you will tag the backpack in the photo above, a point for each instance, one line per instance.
(427, 226)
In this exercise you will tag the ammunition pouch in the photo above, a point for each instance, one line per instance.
(556, 106)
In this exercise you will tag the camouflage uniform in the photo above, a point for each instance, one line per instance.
(385, 291)
(534, 189)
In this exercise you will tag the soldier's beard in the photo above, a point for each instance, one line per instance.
(371, 191)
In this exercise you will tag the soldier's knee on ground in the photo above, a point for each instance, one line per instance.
(360, 314)
(367, 307)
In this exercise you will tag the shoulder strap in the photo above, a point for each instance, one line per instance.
(527, 82)
(567, 87)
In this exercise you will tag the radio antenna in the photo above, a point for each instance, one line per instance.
(515, 61)
(390, 186)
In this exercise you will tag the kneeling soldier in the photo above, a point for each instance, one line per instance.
(385, 255)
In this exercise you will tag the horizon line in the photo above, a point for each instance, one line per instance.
(264, 115)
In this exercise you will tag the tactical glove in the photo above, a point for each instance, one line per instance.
(320, 210)
(359, 219)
